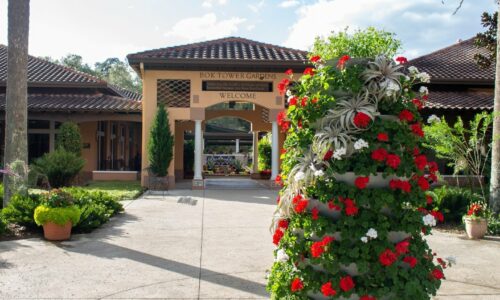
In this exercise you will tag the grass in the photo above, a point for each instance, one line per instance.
(120, 190)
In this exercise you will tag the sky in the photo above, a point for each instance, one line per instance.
(99, 29)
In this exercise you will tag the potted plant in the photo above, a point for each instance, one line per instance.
(57, 214)
(476, 224)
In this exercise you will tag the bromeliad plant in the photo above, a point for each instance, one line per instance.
(352, 238)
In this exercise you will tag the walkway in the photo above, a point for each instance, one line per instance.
(194, 245)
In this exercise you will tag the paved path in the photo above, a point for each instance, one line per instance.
(193, 245)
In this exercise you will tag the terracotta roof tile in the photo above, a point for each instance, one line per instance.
(231, 48)
(78, 102)
(455, 63)
(460, 100)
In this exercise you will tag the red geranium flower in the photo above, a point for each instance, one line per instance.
(420, 161)
(428, 199)
(412, 261)
(314, 100)
(327, 290)
(361, 182)
(416, 151)
(303, 102)
(289, 72)
(402, 247)
(383, 137)
(318, 248)
(315, 58)
(292, 101)
(309, 71)
(387, 257)
(433, 166)
(283, 151)
(417, 130)
(406, 115)
(342, 61)
(379, 155)
(278, 234)
(423, 183)
(283, 224)
(418, 104)
(300, 204)
(346, 283)
(277, 180)
(333, 206)
(283, 85)
(437, 215)
(297, 285)
(328, 155)
(315, 213)
(437, 274)
(367, 297)
(361, 120)
(401, 59)
(281, 119)
(393, 161)
(350, 207)
(405, 186)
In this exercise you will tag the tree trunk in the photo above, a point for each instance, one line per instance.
(495, 151)
(16, 112)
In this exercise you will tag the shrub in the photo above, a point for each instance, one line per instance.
(453, 202)
(160, 143)
(58, 215)
(494, 224)
(265, 152)
(60, 167)
(3, 224)
(21, 210)
(69, 138)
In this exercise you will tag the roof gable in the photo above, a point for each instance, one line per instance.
(455, 64)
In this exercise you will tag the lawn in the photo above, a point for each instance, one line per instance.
(120, 190)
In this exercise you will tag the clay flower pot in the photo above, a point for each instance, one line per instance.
(55, 232)
(475, 228)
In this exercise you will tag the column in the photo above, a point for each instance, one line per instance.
(237, 146)
(275, 151)
(197, 150)
(255, 158)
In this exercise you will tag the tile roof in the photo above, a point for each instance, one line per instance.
(230, 48)
(460, 100)
(78, 102)
(125, 93)
(42, 71)
(455, 63)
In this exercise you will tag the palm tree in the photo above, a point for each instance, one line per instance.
(16, 112)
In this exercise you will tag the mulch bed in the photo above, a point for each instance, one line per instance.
(16, 232)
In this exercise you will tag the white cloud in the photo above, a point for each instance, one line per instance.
(420, 24)
(201, 28)
(210, 3)
(289, 3)
(257, 7)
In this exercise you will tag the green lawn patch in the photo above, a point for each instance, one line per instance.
(119, 190)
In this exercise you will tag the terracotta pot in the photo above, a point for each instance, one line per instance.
(54, 232)
(475, 228)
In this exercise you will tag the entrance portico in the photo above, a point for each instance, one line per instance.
(191, 79)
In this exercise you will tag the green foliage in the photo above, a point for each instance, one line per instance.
(96, 208)
(453, 202)
(57, 215)
(21, 210)
(265, 152)
(494, 224)
(60, 167)
(160, 143)
(118, 190)
(3, 224)
(69, 138)
(487, 40)
(367, 43)
(57, 198)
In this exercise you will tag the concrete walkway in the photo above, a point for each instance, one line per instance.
(194, 245)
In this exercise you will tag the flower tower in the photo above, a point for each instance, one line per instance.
(353, 211)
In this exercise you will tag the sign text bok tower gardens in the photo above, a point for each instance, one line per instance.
(193, 80)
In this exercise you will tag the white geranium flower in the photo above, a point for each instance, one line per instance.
(429, 220)
(299, 176)
(364, 239)
(413, 70)
(372, 233)
(282, 256)
(289, 94)
(337, 154)
(319, 173)
(432, 119)
(452, 260)
(391, 88)
(407, 78)
(424, 90)
(360, 144)
(424, 77)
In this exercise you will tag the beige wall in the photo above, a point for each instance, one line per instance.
(88, 131)
(201, 100)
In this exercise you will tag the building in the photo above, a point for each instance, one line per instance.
(194, 80)
(109, 117)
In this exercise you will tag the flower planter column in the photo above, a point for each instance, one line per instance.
(275, 151)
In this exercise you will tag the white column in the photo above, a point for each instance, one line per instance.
(275, 151)
(255, 158)
(237, 146)
(197, 150)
